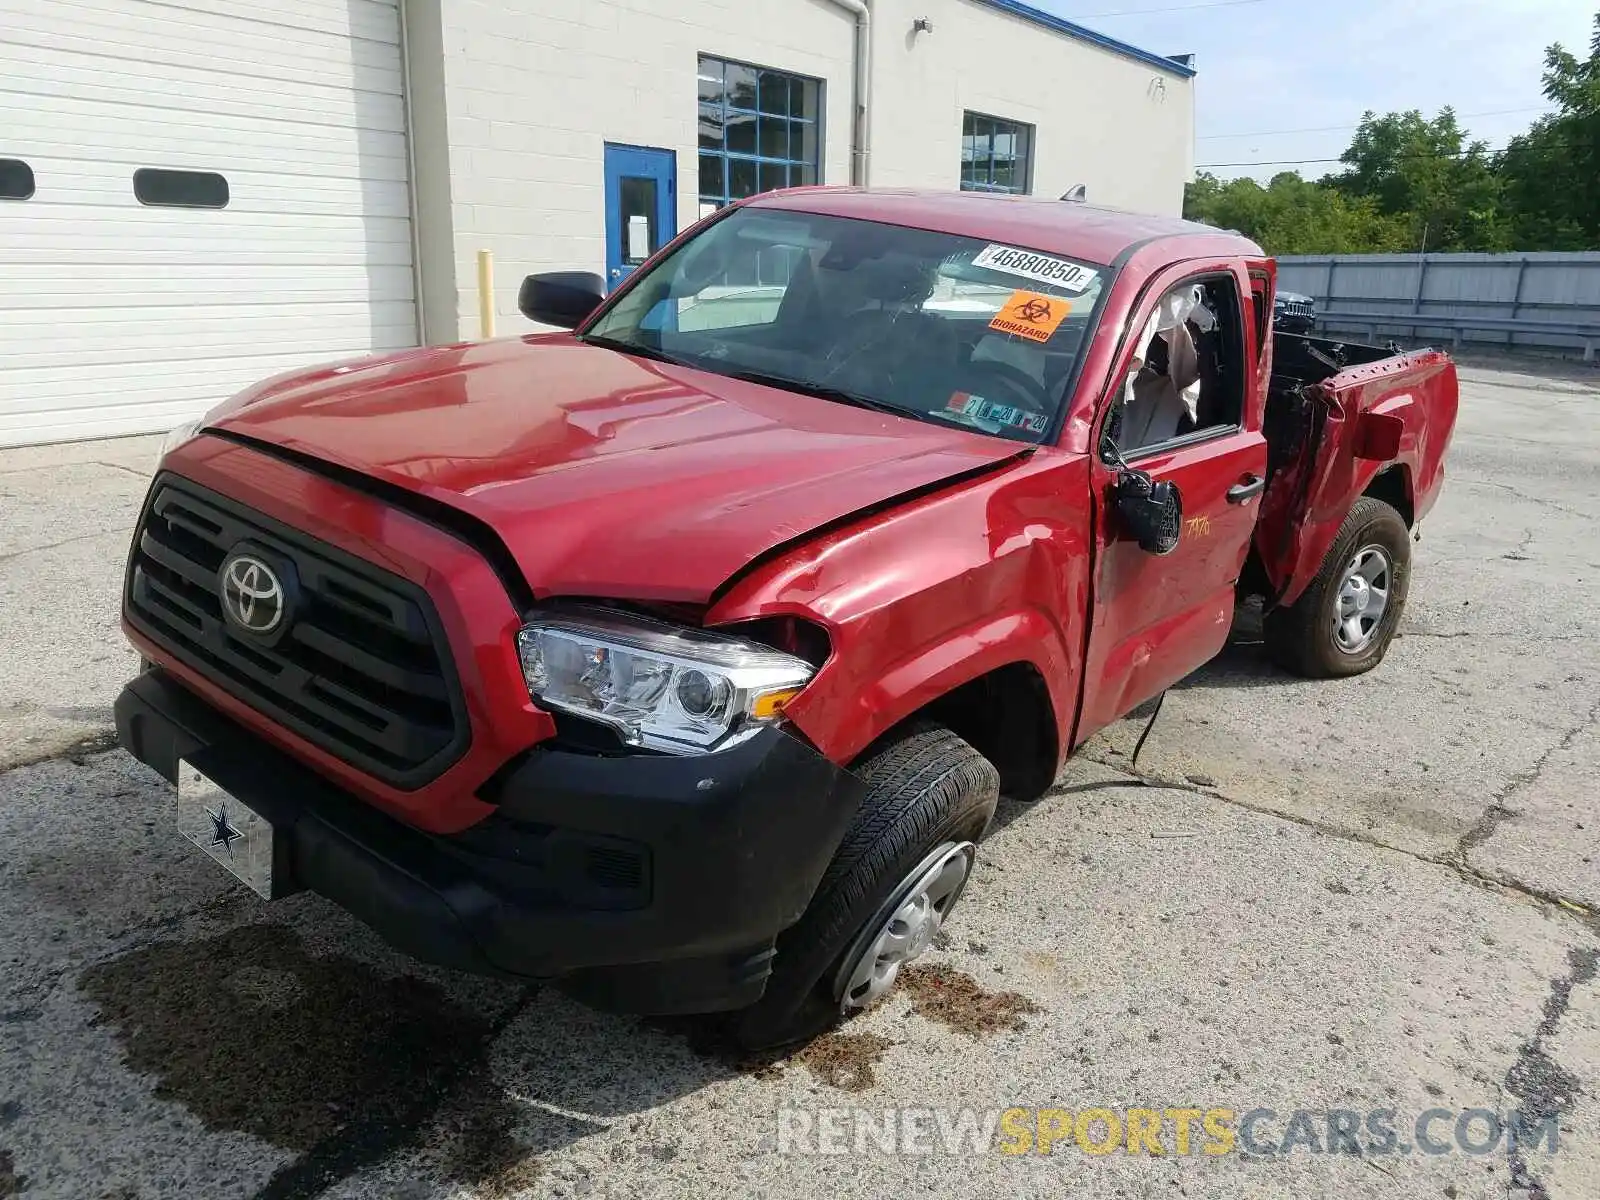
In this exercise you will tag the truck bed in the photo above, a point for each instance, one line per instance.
(1320, 445)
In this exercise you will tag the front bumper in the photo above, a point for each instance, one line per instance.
(643, 883)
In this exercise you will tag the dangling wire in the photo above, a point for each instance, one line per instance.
(1149, 725)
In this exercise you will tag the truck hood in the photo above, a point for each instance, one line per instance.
(605, 474)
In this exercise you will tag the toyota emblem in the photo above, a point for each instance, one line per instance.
(252, 594)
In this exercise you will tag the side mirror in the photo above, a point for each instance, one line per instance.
(561, 298)
(1152, 511)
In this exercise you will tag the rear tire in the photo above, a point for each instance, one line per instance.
(927, 791)
(1344, 621)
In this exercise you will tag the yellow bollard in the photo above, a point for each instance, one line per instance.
(486, 293)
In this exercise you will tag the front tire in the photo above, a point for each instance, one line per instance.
(1344, 621)
(894, 879)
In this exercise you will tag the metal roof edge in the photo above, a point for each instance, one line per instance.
(1061, 25)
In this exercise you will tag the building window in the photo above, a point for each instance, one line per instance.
(180, 189)
(16, 179)
(996, 155)
(759, 130)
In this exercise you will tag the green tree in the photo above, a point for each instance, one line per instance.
(1292, 215)
(1551, 174)
(1412, 182)
(1426, 174)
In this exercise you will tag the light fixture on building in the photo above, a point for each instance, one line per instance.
(921, 25)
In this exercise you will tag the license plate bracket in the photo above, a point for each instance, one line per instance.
(230, 832)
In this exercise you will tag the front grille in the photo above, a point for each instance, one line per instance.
(363, 669)
(1299, 308)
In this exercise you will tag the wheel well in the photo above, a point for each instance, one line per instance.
(1392, 487)
(1007, 717)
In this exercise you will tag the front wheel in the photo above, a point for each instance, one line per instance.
(898, 872)
(1344, 621)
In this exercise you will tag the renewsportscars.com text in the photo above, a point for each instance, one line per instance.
(1159, 1132)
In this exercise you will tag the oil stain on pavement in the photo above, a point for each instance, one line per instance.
(323, 1056)
(844, 1060)
(958, 1001)
(848, 1061)
(11, 1184)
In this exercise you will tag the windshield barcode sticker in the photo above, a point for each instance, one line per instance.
(1069, 276)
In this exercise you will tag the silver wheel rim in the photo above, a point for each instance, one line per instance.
(905, 927)
(1363, 599)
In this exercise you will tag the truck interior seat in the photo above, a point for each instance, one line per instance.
(1158, 407)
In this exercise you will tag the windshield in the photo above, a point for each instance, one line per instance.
(929, 325)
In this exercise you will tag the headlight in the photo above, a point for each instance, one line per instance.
(681, 690)
(178, 437)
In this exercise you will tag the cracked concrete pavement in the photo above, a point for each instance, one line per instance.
(1359, 895)
(1477, 741)
(68, 512)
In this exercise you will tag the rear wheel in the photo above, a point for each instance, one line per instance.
(1344, 621)
(897, 874)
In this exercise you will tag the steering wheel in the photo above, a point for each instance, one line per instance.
(1005, 384)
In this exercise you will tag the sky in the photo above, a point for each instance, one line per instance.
(1275, 75)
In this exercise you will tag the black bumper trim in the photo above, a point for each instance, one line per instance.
(733, 845)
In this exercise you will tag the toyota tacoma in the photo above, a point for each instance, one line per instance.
(679, 656)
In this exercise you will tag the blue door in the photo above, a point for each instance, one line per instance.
(641, 207)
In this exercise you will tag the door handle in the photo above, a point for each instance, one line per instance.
(1240, 492)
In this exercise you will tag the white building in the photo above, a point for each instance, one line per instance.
(195, 194)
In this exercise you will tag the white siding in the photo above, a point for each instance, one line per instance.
(120, 318)
(117, 318)
(1122, 126)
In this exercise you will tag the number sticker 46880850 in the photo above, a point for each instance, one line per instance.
(1069, 276)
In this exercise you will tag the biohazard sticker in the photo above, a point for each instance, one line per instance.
(1008, 415)
(1031, 315)
(1063, 273)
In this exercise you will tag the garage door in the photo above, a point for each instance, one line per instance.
(194, 194)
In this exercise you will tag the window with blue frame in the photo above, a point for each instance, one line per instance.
(759, 130)
(996, 155)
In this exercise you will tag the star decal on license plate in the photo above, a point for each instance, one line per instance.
(222, 831)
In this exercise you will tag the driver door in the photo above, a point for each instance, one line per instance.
(1155, 618)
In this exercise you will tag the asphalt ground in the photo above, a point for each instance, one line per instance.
(1368, 901)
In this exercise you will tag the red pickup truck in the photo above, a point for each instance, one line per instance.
(681, 658)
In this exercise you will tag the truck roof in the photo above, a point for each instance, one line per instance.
(1082, 231)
